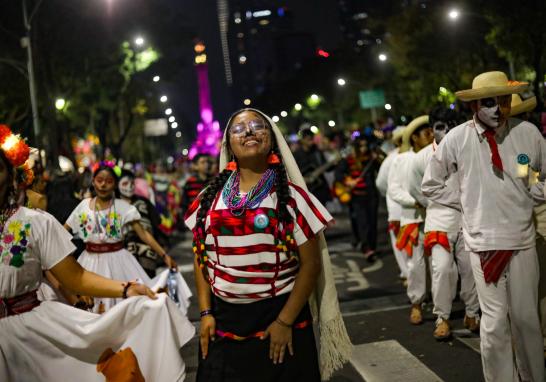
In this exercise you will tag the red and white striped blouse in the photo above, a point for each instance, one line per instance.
(244, 264)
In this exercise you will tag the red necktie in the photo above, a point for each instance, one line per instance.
(493, 264)
(495, 156)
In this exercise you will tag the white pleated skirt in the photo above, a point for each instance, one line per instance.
(55, 342)
(122, 265)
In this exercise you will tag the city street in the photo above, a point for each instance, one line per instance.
(376, 310)
(257, 120)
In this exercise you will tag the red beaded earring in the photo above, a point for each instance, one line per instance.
(273, 159)
(231, 166)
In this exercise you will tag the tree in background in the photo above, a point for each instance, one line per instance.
(83, 55)
(518, 32)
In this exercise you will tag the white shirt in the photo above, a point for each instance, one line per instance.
(102, 226)
(32, 240)
(438, 217)
(382, 181)
(398, 189)
(497, 212)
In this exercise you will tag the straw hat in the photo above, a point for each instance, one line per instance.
(397, 134)
(491, 84)
(410, 129)
(518, 106)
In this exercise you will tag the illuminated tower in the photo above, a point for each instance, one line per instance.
(208, 131)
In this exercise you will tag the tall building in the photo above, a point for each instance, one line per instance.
(266, 41)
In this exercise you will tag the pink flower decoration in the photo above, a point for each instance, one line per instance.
(8, 238)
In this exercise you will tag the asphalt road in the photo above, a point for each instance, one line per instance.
(376, 311)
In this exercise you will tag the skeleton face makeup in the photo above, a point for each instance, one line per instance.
(493, 111)
(439, 129)
(127, 187)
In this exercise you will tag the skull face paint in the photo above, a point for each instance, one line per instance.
(440, 129)
(492, 111)
(127, 186)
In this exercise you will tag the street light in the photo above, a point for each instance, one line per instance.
(185, 152)
(247, 101)
(174, 125)
(171, 118)
(453, 14)
(169, 111)
(156, 78)
(382, 57)
(298, 107)
(284, 114)
(163, 98)
(139, 41)
(341, 82)
(331, 123)
(275, 118)
(314, 97)
(388, 106)
(60, 103)
(178, 134)
(314, 129)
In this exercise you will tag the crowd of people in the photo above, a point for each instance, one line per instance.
(462, 193)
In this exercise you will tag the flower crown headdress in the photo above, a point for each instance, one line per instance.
(17, 153)
(107, 163)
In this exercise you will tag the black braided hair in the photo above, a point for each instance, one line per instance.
(205, 202)
(283, 195)
(208, 196)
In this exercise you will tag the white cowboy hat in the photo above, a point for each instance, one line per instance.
(519, 106)
(491, 84)
(410, 129)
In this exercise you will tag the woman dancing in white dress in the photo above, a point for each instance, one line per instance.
(51, 341)
(99, 222)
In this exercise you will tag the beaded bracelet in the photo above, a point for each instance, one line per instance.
(126, 288)
(206, 312)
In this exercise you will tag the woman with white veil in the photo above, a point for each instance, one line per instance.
(262, 268)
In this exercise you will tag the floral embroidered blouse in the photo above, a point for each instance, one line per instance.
(101, 226)
(32, 241)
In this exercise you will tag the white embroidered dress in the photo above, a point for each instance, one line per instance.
(106, 226)
(55, 342)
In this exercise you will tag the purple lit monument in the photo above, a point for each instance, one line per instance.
(209, 135)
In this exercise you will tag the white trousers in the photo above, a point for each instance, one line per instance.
(400, 256)
(417, 273)
(510, 325)
(445, 273)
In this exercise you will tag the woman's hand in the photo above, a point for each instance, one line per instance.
(207, 333)
(281, 337)
(169, 261)
(140, 290)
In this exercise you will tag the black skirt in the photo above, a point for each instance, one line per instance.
(248, 360)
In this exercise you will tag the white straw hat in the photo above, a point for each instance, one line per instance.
(491, 84)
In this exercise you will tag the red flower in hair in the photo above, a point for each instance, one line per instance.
(15, 148)
(18, 154)
(4, 133)
(26, 175)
